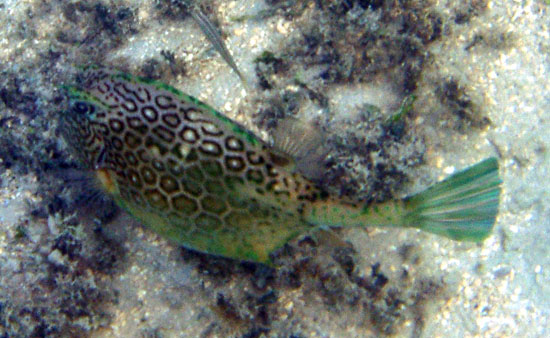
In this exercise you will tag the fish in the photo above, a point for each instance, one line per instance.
(205, 182)
(216, 40)
(213, 36)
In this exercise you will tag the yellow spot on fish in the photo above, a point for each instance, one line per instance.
(155, 150)
(106, 181)
(185, 149)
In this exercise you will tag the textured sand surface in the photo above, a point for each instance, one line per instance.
(61, 276)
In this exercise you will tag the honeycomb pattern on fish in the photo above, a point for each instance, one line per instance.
(177, 158)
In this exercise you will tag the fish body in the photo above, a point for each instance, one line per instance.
(205, 182)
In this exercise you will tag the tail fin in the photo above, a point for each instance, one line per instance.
(462, 207)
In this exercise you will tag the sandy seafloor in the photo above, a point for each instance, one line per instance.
(499, 288)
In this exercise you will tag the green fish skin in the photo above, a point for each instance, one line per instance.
(203, 181)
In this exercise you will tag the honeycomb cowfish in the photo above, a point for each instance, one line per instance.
(205, 182)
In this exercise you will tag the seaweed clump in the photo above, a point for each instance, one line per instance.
(55, 273)
(96, 27)
(356, 41)
(454, 97)
(64, 294)
(360, 43)
(317, 273)
(352, 42)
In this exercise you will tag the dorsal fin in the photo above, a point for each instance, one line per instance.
(301, 143)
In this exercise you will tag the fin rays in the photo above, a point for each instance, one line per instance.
(462, 207)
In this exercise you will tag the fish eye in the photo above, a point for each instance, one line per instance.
(81, 107)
